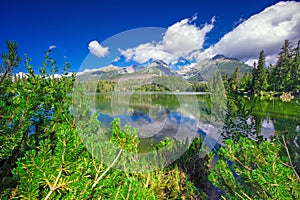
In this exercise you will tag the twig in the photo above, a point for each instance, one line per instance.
(54, 187)
(10, 65)
(107, 169)
(289, 156)
(129, 190)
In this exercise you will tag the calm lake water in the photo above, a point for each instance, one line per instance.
(184, 116)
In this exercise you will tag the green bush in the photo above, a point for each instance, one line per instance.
(60, 157)
(251, 170)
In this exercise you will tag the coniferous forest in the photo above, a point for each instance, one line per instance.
(283, 76)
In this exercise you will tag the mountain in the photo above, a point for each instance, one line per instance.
(107, 72)
(206, 68)
(221, 56)
(156, 68)
(195, 73)
(132, 68)
(159, 68)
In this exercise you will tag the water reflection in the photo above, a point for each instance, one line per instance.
(158, 116)
(264, 119)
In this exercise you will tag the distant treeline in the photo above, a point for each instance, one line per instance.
(159, 84)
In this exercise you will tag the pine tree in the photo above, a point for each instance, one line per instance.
(254, 77)
(282, 71)
(10, 60)
(225, 81)
(296, 67)
(246, 81)
(234, 81)
(271, 81)
(261, 83)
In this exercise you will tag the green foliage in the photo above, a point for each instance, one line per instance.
(10, 60)
(285, 74)
(153, 83)
(246, 82)
(194, 162)
(69, 171)
(186, 178)
(281, 77)
(126, 139)
(105, 86)
(154, 87)
(25, 100)
(248, 170)
(234, 80)
(282, 70)
(52, 148)
(218, 98)
(296, 66)
(260, 76)
(199, 87)
(236, 121)
(159, 84)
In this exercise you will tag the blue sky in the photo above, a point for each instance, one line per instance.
(72, 25)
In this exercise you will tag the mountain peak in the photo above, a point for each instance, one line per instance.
(221, 56)
(218, 56)
(160, 62)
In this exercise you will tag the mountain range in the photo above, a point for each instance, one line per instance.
(205, 69)
(195, 73)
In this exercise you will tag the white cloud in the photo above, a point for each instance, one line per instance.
(179, 40)
(264, 31)
(200, 55)
(241, 20)
(270, 59)
(251, 61)
(52, 47)
(183, 37)
(97, 50)
(147, 51)
(117, 59)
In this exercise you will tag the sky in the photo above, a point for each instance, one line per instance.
(115, 31)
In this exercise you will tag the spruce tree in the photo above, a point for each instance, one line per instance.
(282, 71)
(296, 67)
(254, 77)
(234, 80)
(261, 82)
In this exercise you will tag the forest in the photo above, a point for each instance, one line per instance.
(44, 152)
(283, 76)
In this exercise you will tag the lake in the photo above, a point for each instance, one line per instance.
(186, 115)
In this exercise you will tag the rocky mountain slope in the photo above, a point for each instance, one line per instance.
(205, 69)
(198, 72)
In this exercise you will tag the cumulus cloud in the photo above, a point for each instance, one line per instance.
(184, 37)
(97, 50)
(179, 40)
(145, 52)
(264, 31)
(270, 59)
(52, 47)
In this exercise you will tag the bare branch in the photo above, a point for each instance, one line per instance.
(290, 159)
(107, 169)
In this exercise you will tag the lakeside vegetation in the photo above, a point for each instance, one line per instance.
(159, 84)
(43, 155)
